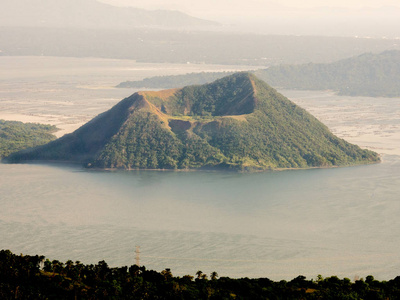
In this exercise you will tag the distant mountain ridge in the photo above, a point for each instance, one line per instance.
(182, 46)
(90, 14)
(169, 81)
(365, 75)
(368, 74)
(237, 122)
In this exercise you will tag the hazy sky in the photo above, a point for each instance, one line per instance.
(308, 17)
(209, 4)
(212, 7)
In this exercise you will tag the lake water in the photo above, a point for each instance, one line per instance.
(341, 221)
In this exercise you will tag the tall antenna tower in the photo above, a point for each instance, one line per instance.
(137, 251)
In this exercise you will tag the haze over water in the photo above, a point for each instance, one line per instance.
(341, 221)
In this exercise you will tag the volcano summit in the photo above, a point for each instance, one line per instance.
(238, 122)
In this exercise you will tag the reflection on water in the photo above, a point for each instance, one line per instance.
(341, 221)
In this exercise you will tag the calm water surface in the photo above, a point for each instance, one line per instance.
(342, 221)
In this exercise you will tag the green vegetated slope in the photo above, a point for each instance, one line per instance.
(237, 122)
(369, 74)
(365, 75)
(15, 136)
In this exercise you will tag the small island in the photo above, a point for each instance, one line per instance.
(237, 123)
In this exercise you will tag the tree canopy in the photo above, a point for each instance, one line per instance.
(35, 277)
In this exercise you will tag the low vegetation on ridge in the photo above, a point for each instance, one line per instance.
(15, 136)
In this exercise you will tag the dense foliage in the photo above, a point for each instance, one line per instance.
(279, 134)
(15, 136)
(144, 143)
(34, 277)
(366, 75)
(237, 122)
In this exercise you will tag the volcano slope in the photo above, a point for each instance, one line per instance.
(237, 122)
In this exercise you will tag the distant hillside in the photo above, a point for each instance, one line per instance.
(365, 75)
(167, 82)
(369, 74)
(182, 46)
(15, 136)
(89, 14)
(237, 122)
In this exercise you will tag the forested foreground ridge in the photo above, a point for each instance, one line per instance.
(15, 136)
(34, 277)
(237, 122)
(373, 75)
